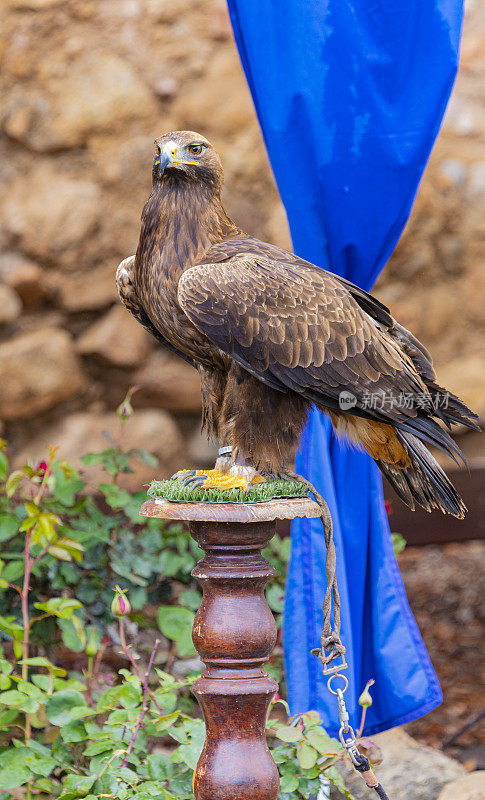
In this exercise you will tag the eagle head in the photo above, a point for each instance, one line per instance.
(186, 155)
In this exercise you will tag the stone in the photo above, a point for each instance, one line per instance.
(85, 432)
(34, 5)
(10, 304)
(469, 787)
(39, 370)
(95, 92)
(199, 107)
(169, 382)
(116, 338)
(25, 276)
(49, 213)
(453, 171)
(473, 289)
(476, 184)
(408, 769)
(85, 291)
(164, 86)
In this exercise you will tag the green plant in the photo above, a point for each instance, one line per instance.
(93, 742)
(90, 542)
(71, 731)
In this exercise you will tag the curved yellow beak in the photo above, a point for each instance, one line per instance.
(168, 157)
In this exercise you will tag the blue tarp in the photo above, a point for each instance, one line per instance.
(350, 96)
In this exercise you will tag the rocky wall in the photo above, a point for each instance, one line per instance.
(86, 86)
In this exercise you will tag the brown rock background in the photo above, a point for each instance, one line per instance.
(86, 86)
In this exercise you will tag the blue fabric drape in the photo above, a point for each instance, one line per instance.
(350, 96)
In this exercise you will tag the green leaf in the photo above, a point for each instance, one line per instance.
(288, 783)
(175, 622)
(59, 706)
(28, 688)
(307, 755)
(398, 543)
(12, 777)
(8, 716)
(73, 634)
(103, 746)
(74, 731)
(169, 563)
(115, 497)
(42, 681)
(62, 607)
(275, 595)
(42, 765)
(59, 552)
(9, 526)
(79, 784)
(129, 697)
(181, 784)
(159, 766)
(167, 721)
(112, 459)
(13, 571)
(335, 777)
(311, 718)
(5, 666)
(94, 458)
(4, 466)
(322, 742)
(40, 661)
(19, 700)
(45, 785)
(79, 712)
(190, 598)
(189, 753)
(13, 482)
(289, 734)
(145, 456)
(67, 484)
(74, 548)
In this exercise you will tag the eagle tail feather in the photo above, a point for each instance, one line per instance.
(454, 411)
(423, 480)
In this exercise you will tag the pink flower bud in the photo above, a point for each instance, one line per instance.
(120, 606)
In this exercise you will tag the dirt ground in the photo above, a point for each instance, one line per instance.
(446, 591)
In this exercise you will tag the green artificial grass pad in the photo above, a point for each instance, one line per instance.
(262, 492)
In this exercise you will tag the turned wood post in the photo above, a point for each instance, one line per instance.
(234, 633)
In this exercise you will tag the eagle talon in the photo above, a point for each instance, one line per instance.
(196, 481)
(182, 474)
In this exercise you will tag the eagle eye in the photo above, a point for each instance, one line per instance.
(195, 149)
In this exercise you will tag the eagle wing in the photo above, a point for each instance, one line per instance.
(298, 327)
(129, 298)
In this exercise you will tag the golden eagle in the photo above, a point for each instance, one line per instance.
(270, 334)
